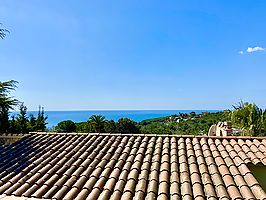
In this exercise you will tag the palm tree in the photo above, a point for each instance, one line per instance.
(3, 32)
(5, 87)
(97, 121)
(6, 102)
(248, 117)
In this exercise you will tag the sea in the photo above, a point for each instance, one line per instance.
(54, 117)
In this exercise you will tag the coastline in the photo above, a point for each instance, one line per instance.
(83, 115)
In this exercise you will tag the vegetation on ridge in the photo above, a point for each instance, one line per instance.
(21, 123)
(248, 118)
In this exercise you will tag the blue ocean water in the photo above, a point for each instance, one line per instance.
(137, 115)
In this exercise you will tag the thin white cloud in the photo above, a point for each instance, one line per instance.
(254, 49)
(241, 52)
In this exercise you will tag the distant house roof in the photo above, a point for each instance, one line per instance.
(116, 166)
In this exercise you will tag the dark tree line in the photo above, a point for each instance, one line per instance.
(20, 123)
(246, 117)
(24, 124)
(98, 123)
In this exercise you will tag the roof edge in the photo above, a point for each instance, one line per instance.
(150, 135)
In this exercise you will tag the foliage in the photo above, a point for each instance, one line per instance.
(21, 123)
(126, 125)
(110, 126)
(25, 124)
(32, 123)
(165, 125)
(22, 119)
(7, 102)
(3, 32)
(97, 122)
(158, 119)
(13, 125)
(183, 124)
(40, 124)
(249, 118)
(66, 126)
(157, 128)
(201, 125)
(83, 127)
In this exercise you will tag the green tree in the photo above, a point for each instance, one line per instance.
(13, 127)
(84, 127)
(110, 126)
(66, 126)
(97, 122)
(41, 120)
(126, 125)
(32, 123)
(7, 102)
(22, 119)
(264, 121)
(193, 114)
(157, 128)
(249, 118)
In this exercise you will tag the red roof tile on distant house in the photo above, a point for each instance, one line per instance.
(116, 166)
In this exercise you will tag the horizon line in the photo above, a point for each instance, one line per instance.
(79, 110)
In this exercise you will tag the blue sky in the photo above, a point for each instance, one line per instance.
(76, 55)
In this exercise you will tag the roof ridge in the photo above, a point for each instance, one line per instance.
(156, 135)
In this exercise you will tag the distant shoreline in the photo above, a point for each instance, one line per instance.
(55, 117)
(121, 110)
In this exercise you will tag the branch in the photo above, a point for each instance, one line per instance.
(3, 32)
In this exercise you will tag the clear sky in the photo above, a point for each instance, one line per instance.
(120, 54)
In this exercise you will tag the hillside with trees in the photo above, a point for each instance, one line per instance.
(248, 119)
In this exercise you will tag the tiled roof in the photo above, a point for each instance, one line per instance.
(115, 166)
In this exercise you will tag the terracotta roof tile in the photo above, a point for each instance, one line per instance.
(214, 172)
(209, 189)
(117, 166)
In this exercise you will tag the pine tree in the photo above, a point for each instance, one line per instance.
(41, 120)
(13, 128)
(22, 119)
(32, 123)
